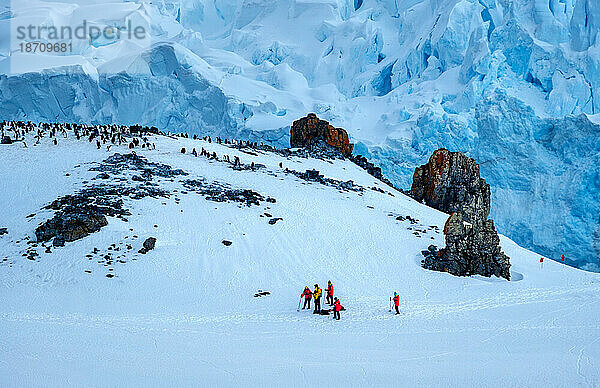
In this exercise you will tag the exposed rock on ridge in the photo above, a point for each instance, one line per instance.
(310, 130)
(450, 182)
(470, 250)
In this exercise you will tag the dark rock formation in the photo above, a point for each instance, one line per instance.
(148, 245)
(220, 192)
(59, 241)
(315, 176)
(6, 140)
(118, 162)
(71, 227)
(226, 243)
(310, 131)
(3, 231)
(80, 214)
(470, 250)
(312, 175)
(372, 170)
(273, 221)
(450, 182)
(318, 139)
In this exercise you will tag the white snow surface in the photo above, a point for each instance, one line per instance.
(184, 314)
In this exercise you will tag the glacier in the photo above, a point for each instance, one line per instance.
(511, 83)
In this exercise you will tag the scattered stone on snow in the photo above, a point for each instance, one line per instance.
(148, 245)
(219, 192)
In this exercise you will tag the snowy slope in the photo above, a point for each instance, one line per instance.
(184, 314)
(510, 83)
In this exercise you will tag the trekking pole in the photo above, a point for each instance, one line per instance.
(390, 304)
(299, 303)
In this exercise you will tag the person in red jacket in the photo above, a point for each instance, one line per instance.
(337, 307)
(307, 294)
(329, 293)
(396, 302)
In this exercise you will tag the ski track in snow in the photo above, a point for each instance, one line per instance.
(360, 314)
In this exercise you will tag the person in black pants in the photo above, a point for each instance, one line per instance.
(337, 307)
(317, 295)
(307, 297)
(329, 293)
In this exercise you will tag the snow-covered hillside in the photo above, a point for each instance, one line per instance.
(511, 83)
(185, 313)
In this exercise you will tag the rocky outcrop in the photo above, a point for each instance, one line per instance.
(471, 249)
(116, 163)
(6, 140)
(84, 212)
(70, 227)
(317, 177)
(310, 131)
(372, 170)
(319, 139)
(221, 192)
(450, 182)
(148, 245)
(59, 241)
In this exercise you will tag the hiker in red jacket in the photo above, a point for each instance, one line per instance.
(396, 302)
(329, 293)
(307, 294)
(337, 307)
